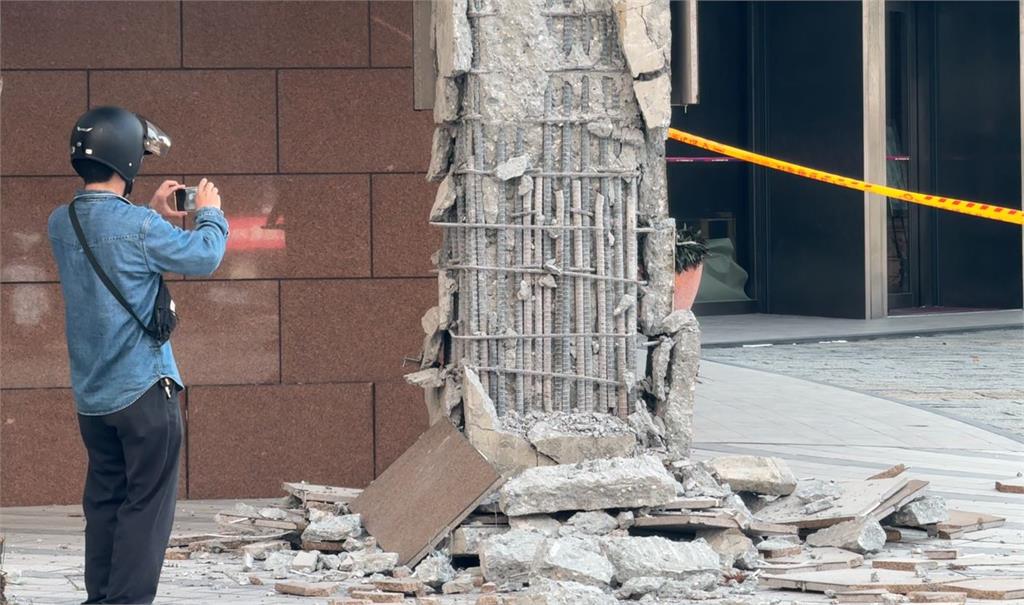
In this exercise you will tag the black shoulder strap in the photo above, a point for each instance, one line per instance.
(99, 270)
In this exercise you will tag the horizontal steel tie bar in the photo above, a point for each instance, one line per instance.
(520, 227)
(541, 373)
(541, 272)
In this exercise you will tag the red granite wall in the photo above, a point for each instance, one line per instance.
(302, 113)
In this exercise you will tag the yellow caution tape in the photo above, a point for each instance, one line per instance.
(996, 213)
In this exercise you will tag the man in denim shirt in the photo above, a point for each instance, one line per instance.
(126, 383)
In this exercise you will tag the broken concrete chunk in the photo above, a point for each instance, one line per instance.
(545, 524)
(453, 42)
(446, 100)
(305, 561)
(858, 535)
(506, 559)
(643, 54)
(461, 584)
(659, 368)
(306, 589)
(564, 593)
(659, 255)
(333, 528)
(435, 570)
(677, 409)
(649, 434)
(260, 550)
(444, 200)
(466, 540)
(634, 557)
(512, 168)
(507, 452)
(923, 511)
(571, 438)
(593, 485)
(440, 154)
(369, 562)
(693, 588)
(278, 559)
(574, 558)
(654, 98)
(678, 320)
(761, 475)
(591, 523)
(734, 548)
(815, 489)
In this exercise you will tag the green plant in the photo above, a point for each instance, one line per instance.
(691, 249)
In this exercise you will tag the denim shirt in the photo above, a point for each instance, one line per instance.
(113, 362)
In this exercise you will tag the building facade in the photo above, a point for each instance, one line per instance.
(304, 114)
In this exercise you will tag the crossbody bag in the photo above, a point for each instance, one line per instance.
(164, 318)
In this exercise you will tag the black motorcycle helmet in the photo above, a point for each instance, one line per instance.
(116, 138)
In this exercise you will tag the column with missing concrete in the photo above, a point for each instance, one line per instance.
(559, 246)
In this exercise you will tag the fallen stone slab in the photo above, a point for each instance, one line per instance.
(260, 550)
(858, 535)
(573, 558)
(1011, 486)
(376, 596)
(306, 589)
(923, 511)
(305, 561)
(760, 475)
(634, 557)
(593, 485)
(506, 559)
(564, 593)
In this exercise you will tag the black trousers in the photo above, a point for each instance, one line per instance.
(130, 491)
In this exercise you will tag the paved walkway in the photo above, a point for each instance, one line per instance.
(823, 431)
(977, 377)
(754, 328)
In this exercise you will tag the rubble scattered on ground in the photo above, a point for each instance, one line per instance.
(635, 528)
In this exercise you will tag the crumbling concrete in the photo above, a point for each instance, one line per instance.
(920, 512)
(592, 523)
(594, 485)
(760, 475)
(677, 410)
(575, 558)
(635, 557)
(571, 438)
(506, 559)
(734, 548)
(328, 527)
(858, 535)
(545, 524)
(434, 570)
(551, 159)
(564, 593)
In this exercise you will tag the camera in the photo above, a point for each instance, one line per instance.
(185, 199)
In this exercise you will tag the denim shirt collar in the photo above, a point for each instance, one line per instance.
(91, 195)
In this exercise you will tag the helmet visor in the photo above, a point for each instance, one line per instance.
(154, 140)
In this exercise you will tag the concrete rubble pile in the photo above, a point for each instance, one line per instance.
(612, 530)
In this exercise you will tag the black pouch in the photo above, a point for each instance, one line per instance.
(164, 318)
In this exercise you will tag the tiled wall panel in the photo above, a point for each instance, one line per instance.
(294, 348)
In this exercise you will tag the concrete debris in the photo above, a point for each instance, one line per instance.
(571, 438)
(644, 54)
(369, 562)
(461, 584)
(858, 535)
(593, 485)
(923, 511)
(453, 43)
(333, 528)
(545, 524)
(434, 570)
(305, 560)
(446, 100)
(440, 153)
(654, 98)
(694, 588)
(698, 481)
(677, 321)
(508, 452)
(677, 410)
(260, 550)
(649, 433)
(659, 255)
(592, 523)
(761, 475)
(444, 200)
(565, 593)
(466, 540)
(507, 559)
(634, 557)
(512, 168)
(575, 558)
(813, 490)
(626, 519)
(734, 548)
(660, 357)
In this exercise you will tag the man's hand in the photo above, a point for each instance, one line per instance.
(163, 200)
(207, 195)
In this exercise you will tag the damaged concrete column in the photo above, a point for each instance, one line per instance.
(555, 274)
